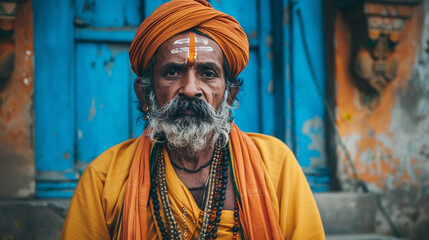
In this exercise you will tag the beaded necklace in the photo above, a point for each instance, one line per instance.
(190, 170)
(217, 184)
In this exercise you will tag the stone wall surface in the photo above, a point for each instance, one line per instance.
(387, 137)
(17, 167)
(345, 216)
(32, 219)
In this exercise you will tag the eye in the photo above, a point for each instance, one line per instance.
(172, 73)
(208, 74)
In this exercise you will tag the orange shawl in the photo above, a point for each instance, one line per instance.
(257, 216)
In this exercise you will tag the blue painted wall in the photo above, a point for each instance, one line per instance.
(85, 103)
(307, 104)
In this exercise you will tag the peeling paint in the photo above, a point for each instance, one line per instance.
(286, 16)
(92, 110)
(115, 49)
(26, 191)
(270, 55)
(108, 65)
(88, 6)
(314, 129)
(66, 156)
(269, 41)
(270, 86)
(252, 35)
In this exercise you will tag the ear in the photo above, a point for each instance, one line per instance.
(233, 94)
(145, 104)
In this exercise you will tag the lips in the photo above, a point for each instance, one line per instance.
(189, 107)
(188, 112)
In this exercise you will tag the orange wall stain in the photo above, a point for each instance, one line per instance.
(386, 141)
(17, 167)
(353, 117)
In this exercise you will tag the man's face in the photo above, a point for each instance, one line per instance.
(189, 65)
(189, 104)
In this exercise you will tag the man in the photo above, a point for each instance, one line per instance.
(192, 174)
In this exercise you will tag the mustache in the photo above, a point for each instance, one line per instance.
(188, 107)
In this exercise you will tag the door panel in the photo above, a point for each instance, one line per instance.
(108, 13)
(102, 98)
(247, 116)
(308, 106)
(54, 98)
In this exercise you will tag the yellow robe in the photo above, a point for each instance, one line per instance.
(97, 202)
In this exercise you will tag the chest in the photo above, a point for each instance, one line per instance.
(197, 184)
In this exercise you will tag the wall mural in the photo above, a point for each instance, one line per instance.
(377, 26)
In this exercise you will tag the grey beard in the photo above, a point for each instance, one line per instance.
(190, 133)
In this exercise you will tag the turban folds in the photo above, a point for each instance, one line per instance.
(177, 16)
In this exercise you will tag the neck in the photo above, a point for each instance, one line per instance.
(183, 158)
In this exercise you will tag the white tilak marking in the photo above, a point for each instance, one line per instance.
(204, 49)
(179, 50)
(197, 49)
(181, 41)
(202, 40)
(186, 40)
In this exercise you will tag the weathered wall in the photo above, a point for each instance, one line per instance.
(389, 141)
(16, 110)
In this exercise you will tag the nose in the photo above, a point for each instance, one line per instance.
(190, 85)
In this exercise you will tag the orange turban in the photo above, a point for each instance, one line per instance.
(177, 16)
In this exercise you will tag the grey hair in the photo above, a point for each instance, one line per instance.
(189, 132)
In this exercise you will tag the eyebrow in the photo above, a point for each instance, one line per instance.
(211, 65)
(173, 65)
(201, 65)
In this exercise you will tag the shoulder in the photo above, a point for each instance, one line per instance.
(98, 197)
(96, 200)
(119, 156)
(267, 141)
(279, 161)
(272, 149)
(290, 194)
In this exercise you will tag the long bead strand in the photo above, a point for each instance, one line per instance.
(213, 206)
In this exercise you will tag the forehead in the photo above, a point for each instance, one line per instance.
(177, 48)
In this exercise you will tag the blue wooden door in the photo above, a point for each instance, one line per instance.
(308, 112)
(84, 98)
(84, 101)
